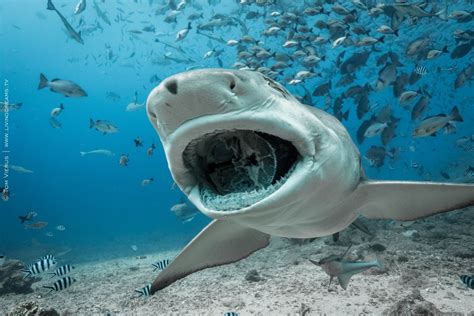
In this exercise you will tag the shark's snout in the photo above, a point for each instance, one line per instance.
(186, 96)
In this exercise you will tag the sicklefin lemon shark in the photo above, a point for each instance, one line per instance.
(260, 163)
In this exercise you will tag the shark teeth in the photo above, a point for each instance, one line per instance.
(238, 200)
(238, 168)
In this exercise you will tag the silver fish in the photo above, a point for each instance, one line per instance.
(64, 87)
(101, 14)
(103, 126)
(20, 169)
(80, 7)
(184, 211)
(104, 152)
(336, 266)
(430, 125)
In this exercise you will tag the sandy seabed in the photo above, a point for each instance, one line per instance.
(430, 261)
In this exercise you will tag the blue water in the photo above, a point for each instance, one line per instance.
(102, 204)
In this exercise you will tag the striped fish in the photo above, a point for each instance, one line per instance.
(62, 270)
(231, 314)
(145, 291)
(161, 265)
(421, 70)
(38, 267)
(60, 284)
(468, 280)
(48, 257)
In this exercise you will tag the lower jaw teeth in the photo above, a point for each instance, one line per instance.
(236, 169)
(237, 200)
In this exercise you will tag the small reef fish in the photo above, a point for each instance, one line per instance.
(80, 7)
(21, 169)
(56, 111)
(231, 314)
(145, 291)
(161, 265)
(421, 70)
(42, 265)
(375, 129)
(468, 280)
(184, 211)
(10, 106)
(104, 152)
(124, 160)
(70, 30)
(60, 284)
(49, 234)
(134, 106)
(37, 225)
(103, 126)
(101, 13)
(28, 217)
(181, 35)
(134, 247)
(147, 182)
(430, 125)
(62, 270)
(336, 266)
(48, 257)
(113, 96)
(150, 150)
(64, 87)
(138, 142)
(60, 228)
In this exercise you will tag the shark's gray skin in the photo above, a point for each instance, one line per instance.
(260, 163)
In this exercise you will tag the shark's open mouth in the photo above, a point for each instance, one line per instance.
(237, 168)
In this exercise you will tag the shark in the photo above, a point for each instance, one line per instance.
(258, 162)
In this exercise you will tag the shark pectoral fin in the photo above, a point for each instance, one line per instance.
(219, 243)
(406, 201)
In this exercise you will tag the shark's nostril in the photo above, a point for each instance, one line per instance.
(172, 86)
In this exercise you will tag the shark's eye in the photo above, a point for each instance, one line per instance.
(276, 86)
(232, 84)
